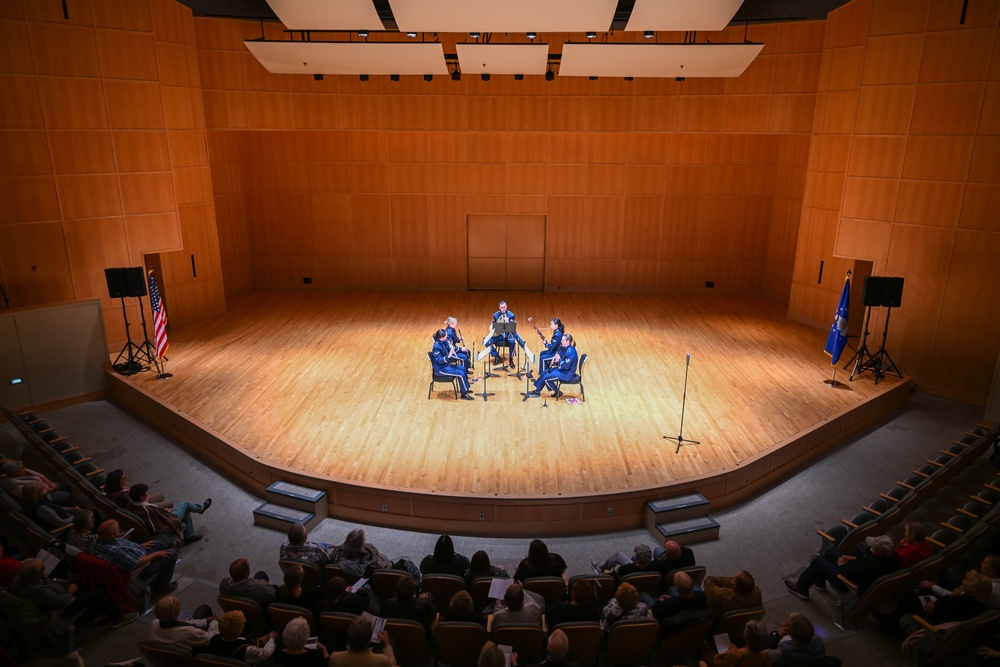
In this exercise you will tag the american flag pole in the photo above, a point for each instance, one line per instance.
(159, 327)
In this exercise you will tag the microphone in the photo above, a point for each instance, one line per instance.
(688, 362)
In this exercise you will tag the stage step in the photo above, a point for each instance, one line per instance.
(683, 518)
(688, 531)
(289, 503)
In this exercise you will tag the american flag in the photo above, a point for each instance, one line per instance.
(159, 318)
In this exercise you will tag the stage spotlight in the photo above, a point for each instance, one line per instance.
(363, 77)
(428, 77)
(532, 35)
(591, 35)
(317, 77)
(649, 34)
(549, 74)
(411, 34)
(362, 33)
(518, 77)
(484, 77)
(394, 77)
(456, 75)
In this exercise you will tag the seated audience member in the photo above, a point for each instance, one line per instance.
(9, 567)
(462, 609)
(16, 476)
(625, 604)
(175, 523)
(729, 593)
(294, 652)
(480, 566)
(292, 590)
(492, 655)
(620, 564)
(167, 628)
(43, 511)
(231, 643)
(753, 654)
(444, 560)
(556, 650)
(672, 556)
(358, 558)
(540, 563)
(686, 599)
(956, 606)
(582, 605)
(116, 488)
(407, 605)
(359, 650)
(239, 584)
(82, 534)
(298, 546)
(49, 595)
(862, 570)
(128, 556)
(798, 642)
(914, 546)
(338, 596)
(519, 606)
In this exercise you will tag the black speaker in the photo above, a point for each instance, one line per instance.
(123, 282)
(874, 290)
(893, 295)
(135, 281)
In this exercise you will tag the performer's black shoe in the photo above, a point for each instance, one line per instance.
(534, 392)
(558, 394)
(466, 397)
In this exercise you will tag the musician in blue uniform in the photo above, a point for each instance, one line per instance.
(563, 367)
(552, 346)
(503, 315)
(451, 328)
(442, 366)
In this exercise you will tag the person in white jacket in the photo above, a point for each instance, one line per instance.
(196, 631)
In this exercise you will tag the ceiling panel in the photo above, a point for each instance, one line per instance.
(349, 57)
(503, 58)
(657, 60)
(316, 15)
(682, 14)
(503, 15)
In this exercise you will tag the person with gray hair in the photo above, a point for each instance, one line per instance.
(355, 556)
(295, 654)
(753, 654)
(862, 569)
(16, 476)
(620, 564)
(298, 546)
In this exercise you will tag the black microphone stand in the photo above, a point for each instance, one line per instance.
(680, 439)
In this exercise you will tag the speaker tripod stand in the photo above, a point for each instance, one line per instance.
(881, 356)
(862, 359)
(129, 360)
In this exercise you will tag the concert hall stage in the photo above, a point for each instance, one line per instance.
(329, 389)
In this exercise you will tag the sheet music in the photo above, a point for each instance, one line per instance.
(378, 625)
(722, 643)
(507, 650)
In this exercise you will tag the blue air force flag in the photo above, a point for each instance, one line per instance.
(837, 340)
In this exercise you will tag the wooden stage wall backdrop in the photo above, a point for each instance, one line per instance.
(331, 390)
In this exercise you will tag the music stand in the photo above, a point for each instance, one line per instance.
(486, 374)
(506, 330)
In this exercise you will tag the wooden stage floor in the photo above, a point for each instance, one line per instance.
(334, 386)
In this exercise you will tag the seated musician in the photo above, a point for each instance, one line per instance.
(458, 343)
(562, 367)
(442, 365)
(503, 315)
(545, 356)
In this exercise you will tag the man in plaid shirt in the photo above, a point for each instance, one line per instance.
(298, 547)
(129, 556)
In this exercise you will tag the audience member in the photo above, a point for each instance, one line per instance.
(625, 604)
(82, 534)
(672, 556)
(798, 642)
(175, 523)
(9, 567)
(294, 652)
(519, 607)
(16, 476)
(359, 651)
(239, 583)
(231, 643)
(556, 650)
(358, 558)
(729, 593)
(914, 546)
(492, 655)
(50, 595)
(340, 597)
(582, 605)
(540, 563)
(862, 570)
(44, 511)
(196, 631)
(129, 556)
(298, 546)
(444, 560)
(407, 605)
(480, 566)
(687, 599)
(753, 654)
(620, 564)
(116, 488)
(294, 592)
(955, 606)
(462, 609)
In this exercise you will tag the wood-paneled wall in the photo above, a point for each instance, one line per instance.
(904, 170)
(104, 155)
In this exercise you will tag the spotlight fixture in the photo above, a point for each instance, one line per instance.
(411, 34)
(363, 77)
(648, 34)
(591, 35)
(518, 77)
(317, 77)
(474, 35)
(532, 35)
(362, 33)
(456, 74)
(484, 76)
(549, 74)
(394, 77)
(428, 77)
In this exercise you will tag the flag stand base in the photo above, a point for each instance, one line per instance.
(164, 376)
(834, 383)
